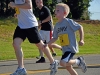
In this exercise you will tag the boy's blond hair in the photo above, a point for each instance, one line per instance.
(65, 7)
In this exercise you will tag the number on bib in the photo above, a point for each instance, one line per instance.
(17, 10)
(64, 40)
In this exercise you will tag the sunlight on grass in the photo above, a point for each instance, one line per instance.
(7, 27)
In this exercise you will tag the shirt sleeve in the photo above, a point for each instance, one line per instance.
(74, 25)
(47, 12)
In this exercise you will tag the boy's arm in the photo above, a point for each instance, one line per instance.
(81, 32)
(52, 41)
(26, 5)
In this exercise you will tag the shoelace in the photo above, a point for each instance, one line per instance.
(51, 66)
(20, 70)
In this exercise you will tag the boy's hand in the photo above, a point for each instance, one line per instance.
(12, 4)
(81, 43)
(45, 45)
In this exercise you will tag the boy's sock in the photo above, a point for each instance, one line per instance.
(77, 61)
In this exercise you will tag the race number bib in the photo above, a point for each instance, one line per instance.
(17, 10)
(64, 40)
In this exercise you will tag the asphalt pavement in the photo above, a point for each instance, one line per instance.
(92, 61)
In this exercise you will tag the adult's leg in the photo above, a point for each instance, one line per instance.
(54, 46)
(41, 56)
(18, 51)
(41, 53)
(35, 37)
(71, 70)
(46, 51)
(51, 49)
(53, 63)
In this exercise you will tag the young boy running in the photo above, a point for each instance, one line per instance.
(65, 29)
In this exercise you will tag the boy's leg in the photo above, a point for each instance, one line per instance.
(71, 70)
(79, 61)
(67, 61)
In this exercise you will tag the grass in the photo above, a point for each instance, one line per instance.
(7, 27)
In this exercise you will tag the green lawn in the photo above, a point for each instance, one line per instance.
(7, 27)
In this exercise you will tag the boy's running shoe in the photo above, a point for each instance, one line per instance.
(82, 64)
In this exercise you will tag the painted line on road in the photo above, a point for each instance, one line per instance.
(48, 70)
(31, 72)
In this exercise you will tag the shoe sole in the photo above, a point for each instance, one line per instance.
(20, 74)
(40, 62)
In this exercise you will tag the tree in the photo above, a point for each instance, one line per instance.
(5, 11)
(1, 7)
(78, 8)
